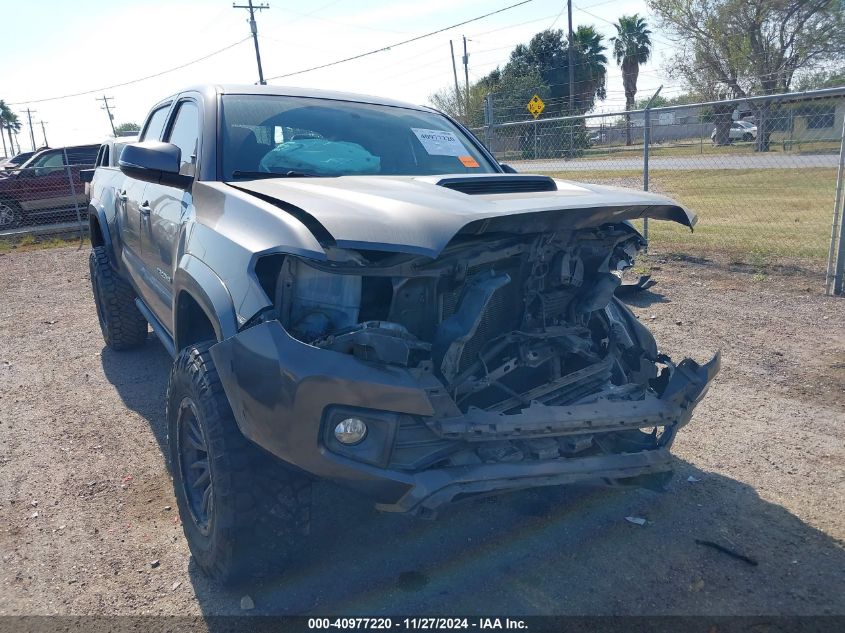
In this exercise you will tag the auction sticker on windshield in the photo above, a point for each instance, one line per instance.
(440, 142)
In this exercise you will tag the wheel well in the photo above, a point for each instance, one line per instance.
(192, 323)
(95, 232)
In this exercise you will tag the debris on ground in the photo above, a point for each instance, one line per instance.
(729, 552)
(247, 604)
(636, 520)
(692, 479)
(155, 563)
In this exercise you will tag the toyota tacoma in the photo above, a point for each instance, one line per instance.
(354, 289)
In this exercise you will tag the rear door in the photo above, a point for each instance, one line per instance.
(167, 208)
(130, 201)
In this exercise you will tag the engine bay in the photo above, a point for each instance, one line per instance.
(501, 321)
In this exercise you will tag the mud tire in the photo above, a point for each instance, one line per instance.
(122, 324)
(259, 509)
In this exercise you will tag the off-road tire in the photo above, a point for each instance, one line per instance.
(11, 215)
(260, 509)
(123, 326)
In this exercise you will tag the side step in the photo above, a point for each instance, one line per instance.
(158, 328)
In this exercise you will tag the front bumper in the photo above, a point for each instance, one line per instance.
(280, 388)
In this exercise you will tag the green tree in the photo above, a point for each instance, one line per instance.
(739, 48)
(127, 127)
(631, 48)
(820, 79)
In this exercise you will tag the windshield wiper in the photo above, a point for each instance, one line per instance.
(265, 174)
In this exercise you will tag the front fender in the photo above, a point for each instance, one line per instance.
(197, 279)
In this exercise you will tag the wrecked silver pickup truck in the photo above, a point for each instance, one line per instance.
(358, 288)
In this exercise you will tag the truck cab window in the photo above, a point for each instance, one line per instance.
(155, 124)
(185, 134)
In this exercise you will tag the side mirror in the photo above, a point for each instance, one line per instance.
(508, 169)
(154, 161)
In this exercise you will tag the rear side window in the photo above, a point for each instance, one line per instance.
(184, 134)
(155, 124)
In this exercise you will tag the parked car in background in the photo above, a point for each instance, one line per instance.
(45, 186)
(740, 131)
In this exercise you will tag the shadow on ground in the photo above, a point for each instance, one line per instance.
(550, 551)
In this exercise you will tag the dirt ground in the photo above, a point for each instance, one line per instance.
(88, 522)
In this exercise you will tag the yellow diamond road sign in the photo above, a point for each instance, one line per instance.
(536, 106)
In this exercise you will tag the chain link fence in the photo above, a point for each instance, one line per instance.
(765, 174)
(761, 173)
(45, 197)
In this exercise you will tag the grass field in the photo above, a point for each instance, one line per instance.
(753, 214)
(697, 147)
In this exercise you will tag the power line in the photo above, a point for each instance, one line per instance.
(392, 46)
(134, 81)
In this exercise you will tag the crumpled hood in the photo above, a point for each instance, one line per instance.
(413, 214)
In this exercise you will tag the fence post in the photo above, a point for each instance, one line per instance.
(73, 193)
(646, 140)
(488, 121)
(836, 255)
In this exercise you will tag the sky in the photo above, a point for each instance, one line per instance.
(59, 47)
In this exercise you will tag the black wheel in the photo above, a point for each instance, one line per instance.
(747, 137)
(11, 215)
(123, 326)
(243, 512)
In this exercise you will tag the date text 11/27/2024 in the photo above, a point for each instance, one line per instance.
(430, 623)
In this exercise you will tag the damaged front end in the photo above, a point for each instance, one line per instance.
(504, 363)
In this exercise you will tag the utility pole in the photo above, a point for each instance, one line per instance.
(44, 133)
(571, 63)
(107, 108)
(253, 27)
(466, 80)
(455, 74)
(29, 114)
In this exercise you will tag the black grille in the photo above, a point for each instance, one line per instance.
(483, 185)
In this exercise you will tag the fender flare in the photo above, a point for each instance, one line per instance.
(197, 279)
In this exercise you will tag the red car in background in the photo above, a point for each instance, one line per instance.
(46, 187)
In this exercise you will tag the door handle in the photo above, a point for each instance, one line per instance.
(121, 195)
(144, 208)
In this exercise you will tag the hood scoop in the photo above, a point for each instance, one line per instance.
(483, 185)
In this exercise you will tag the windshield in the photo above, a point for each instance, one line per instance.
(303, 136)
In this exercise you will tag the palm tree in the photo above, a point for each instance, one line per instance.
(9, 122)
(631, 47)
(4, 112)
(592, 63)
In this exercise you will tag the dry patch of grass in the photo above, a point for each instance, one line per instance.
(31, 243)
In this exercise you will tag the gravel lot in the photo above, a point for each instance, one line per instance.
(88, 522)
